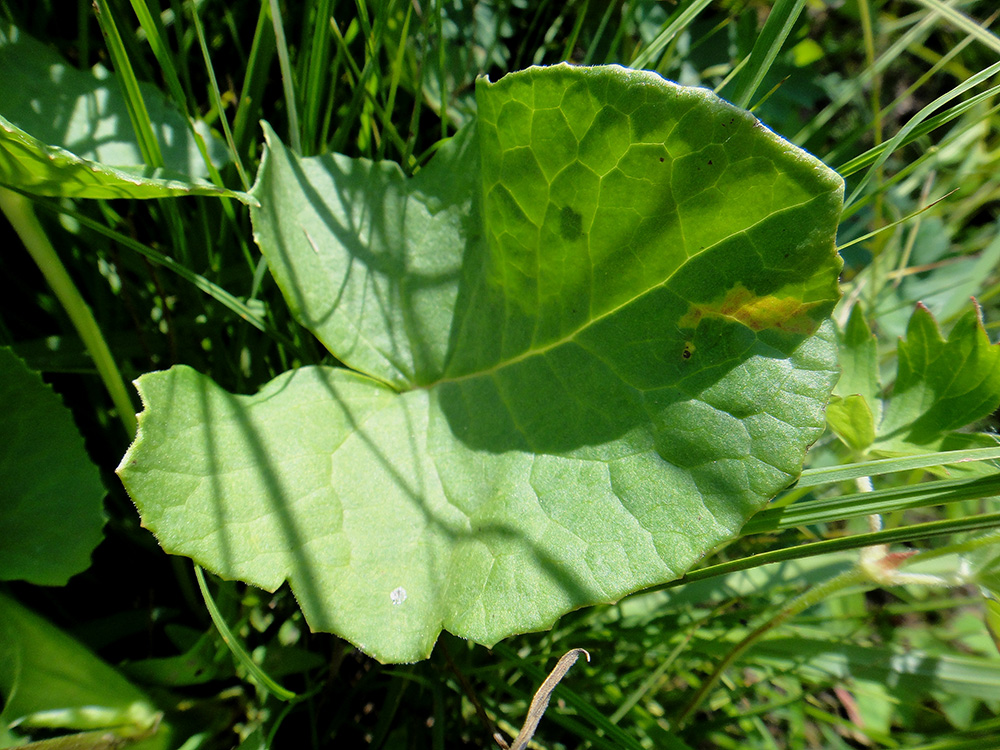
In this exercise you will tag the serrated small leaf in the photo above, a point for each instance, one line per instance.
(51, 509)
(589, 345)
(66, 132)
(942, 385)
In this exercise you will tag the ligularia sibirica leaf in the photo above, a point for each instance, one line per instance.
(582, 346)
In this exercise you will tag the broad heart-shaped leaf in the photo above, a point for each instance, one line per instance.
(585, 348)
(66, 132)
(50, 509)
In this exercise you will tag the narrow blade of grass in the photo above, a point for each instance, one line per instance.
(867, 503)
(847, 472)
(682, 19)
(779, 24)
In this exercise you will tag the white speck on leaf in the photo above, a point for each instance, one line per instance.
(398, 595)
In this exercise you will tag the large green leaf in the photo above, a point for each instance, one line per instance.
(50, 510)
(586, 350)
(66, 132)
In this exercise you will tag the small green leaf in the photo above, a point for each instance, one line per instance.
(942, 385)
(588, 346)
(51, 512)
(859, 363)
(49, 681)
(66, 132)
(852, 420)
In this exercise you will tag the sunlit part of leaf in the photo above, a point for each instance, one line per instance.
(859, 373)
(51, 512)
(30, 165)
(942, 385)
(531, 429)
(852, 421)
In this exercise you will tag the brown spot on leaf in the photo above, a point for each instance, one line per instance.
(757, 313)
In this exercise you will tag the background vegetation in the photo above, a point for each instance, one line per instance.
(899, 97)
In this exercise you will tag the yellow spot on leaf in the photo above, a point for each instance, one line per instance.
(756, 313)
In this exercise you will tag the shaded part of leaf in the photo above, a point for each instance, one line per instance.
(352, 492)
(51, 514)
(366, 259)
(49, 680)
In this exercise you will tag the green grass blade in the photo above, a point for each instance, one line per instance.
(287, 82)
(855, 87)
(680, 22)
(916, 120)
(867, 503)
(213, 290)
(961, 21)
(259, 675)
(317, 74)
(217, 101)
(881, 152)
(258, 66)
(397, 72)
(149, 24)
(137, 112)
(602, 27)
(779, 24)
(847, 472)
(848, 144)
(913, 533)
(18, 210)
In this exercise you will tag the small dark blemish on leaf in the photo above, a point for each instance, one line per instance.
(661, 160)
(688, 350)
(570, 223)
(709, 162)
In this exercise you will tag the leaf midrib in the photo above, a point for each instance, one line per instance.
(541, 350)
